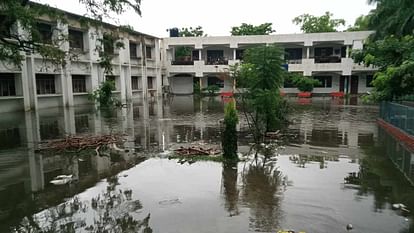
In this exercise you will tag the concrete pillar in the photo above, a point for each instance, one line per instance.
(122, 83)
(69, 117)
(234, 54)
(158, 76)
(348, 49)
(128, 83)
(30, 74)
(200, 55)
(307, 52)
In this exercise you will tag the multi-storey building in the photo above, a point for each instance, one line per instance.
(136, 68)
(147, 65)
(324, 56)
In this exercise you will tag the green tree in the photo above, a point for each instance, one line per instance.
(303, 83)
(26, 14)
(229, 138)
(248, 29)
(191, 32)
(261, 75)
(361, 24)
(314, 24)
(390, 49)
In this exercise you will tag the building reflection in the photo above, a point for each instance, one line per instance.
(331, 129)
(148, 127)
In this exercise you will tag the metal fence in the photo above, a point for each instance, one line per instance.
(399, 115)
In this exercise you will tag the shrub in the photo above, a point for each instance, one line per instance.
(212, 89)
(229, 136)
(305, 84)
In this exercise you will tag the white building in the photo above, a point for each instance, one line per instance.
(324, 56)
(148, 65)
(136, 68)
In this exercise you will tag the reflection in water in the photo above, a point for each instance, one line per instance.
(114, 210)
(230, 188)
(261, 194)
(255, 196)
(378, 177)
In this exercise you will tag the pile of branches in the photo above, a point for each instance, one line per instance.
(79, 143)
(192, 151)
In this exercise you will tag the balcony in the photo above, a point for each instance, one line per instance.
(217, 61)
(327, 59)
(182, 63)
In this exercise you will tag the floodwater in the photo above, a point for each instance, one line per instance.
(331, 171)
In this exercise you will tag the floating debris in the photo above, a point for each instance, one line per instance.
(189, 151)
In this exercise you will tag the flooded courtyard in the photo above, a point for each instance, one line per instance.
(330, 171)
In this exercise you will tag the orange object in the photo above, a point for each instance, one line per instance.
(305, 94)
(338, 94)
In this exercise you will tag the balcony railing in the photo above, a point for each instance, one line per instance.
(294, 61)
(182, 63)
(217, 61)
(400, 116)
(327, 59)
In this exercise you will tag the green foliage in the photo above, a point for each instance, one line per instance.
(181, 52)
(394, 57)
(361, 24)
(229, 136)
(191, 32)
(212, 89)
(197, 88)
(249, 29)
(27, 13)
(108, 43)
(305, 84)
(314, 24)
(103, 94)
(261, 75)
(392, 17)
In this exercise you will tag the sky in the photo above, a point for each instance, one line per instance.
(218, 16)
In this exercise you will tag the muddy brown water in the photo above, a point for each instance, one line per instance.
(329, 173)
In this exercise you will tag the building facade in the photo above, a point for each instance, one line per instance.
(147, 66)
(324, 56)
(37, 84)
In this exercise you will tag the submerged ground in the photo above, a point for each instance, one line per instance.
(330, 172)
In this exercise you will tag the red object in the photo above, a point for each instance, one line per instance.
(304, 101)
(305, 94)
(338, 94)
(406, 139)
(226, 94)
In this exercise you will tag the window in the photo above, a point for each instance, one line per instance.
(76, 39)
(323, 52)
(78, 83)
(239, 54)
(343, 51)
(111, 78)
(325, 81)
(7, 85)
(108, 44)
(135, 81)
(10, 138)
(293, 54)
(133, 50)
(49, 129)
(45, 84)
(45, 32)
(150, 82)
(6, 26)
(148, 52)
(369, 80)
(215, 81)
(81, 123)
(195, 54)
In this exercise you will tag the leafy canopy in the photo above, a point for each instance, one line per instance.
(249, 29)
(361, 24)
(391, 49)
(191, 32)
(314, 24)
(25, 13)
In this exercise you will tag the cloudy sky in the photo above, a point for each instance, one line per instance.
(218, 16)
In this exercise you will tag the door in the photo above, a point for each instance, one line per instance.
(354, 84)
(342, 84)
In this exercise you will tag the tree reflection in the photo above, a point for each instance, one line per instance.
(230, 190)
(261, 192)
(114, 210)
(377, 176)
